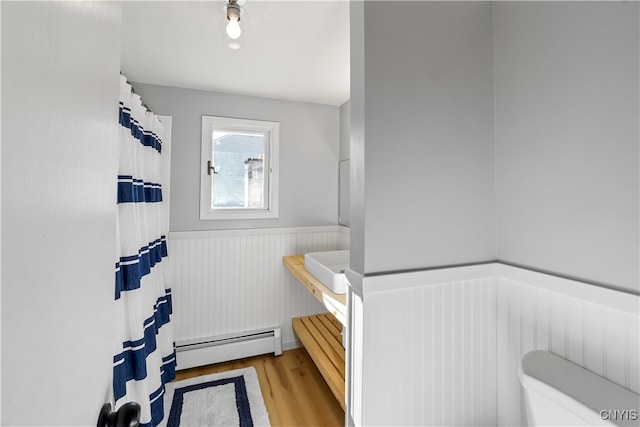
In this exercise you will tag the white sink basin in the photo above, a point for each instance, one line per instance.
(328, 267)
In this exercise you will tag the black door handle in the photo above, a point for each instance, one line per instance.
(127, 416)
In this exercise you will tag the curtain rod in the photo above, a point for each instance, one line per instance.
(133, 91)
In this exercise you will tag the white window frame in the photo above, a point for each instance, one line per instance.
(271, 166)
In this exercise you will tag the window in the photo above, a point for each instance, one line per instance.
(239, 177)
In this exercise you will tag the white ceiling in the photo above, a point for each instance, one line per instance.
(293, 50)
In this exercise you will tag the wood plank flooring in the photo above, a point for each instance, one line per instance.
(293, 389)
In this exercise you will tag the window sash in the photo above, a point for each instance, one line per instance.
(270, 130)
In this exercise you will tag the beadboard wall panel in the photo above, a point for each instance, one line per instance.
(443, 347)
(232, 281)
(601, 338)
(345, 237)
(441, 339)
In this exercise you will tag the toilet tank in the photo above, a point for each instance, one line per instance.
(560, 393)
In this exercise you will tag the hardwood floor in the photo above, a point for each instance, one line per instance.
(294, 391)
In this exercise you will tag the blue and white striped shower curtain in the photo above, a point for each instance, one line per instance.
(144, 358)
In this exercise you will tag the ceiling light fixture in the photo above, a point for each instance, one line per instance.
(233, 16)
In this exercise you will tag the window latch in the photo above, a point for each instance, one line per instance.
(211, 168)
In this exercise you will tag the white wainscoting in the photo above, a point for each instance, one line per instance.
(442, 347)
(233, 280)
(596, 328)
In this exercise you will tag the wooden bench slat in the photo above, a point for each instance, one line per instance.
(331, 339)
(329, 351)
(316, 339)
(332, 325)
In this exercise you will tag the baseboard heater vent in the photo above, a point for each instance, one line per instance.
(206, 351)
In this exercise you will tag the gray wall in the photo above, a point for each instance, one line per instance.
(356, 143)
(309, 154)
(561, 194)
(60, 63)
(345, 131)
(422, 135)
(567, 123)
(344, 203)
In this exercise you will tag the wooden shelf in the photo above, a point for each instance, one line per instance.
(335, 303)
(321, 336)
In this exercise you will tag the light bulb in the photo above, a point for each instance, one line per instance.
(233, 28)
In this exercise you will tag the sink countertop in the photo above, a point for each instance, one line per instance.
(335, 303)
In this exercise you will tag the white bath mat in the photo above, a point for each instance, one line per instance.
(231, 398)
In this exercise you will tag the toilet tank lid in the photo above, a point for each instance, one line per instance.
(573, 386)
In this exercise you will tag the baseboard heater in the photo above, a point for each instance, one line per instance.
(206, 351)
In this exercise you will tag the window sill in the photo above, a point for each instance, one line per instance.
(239, 214)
